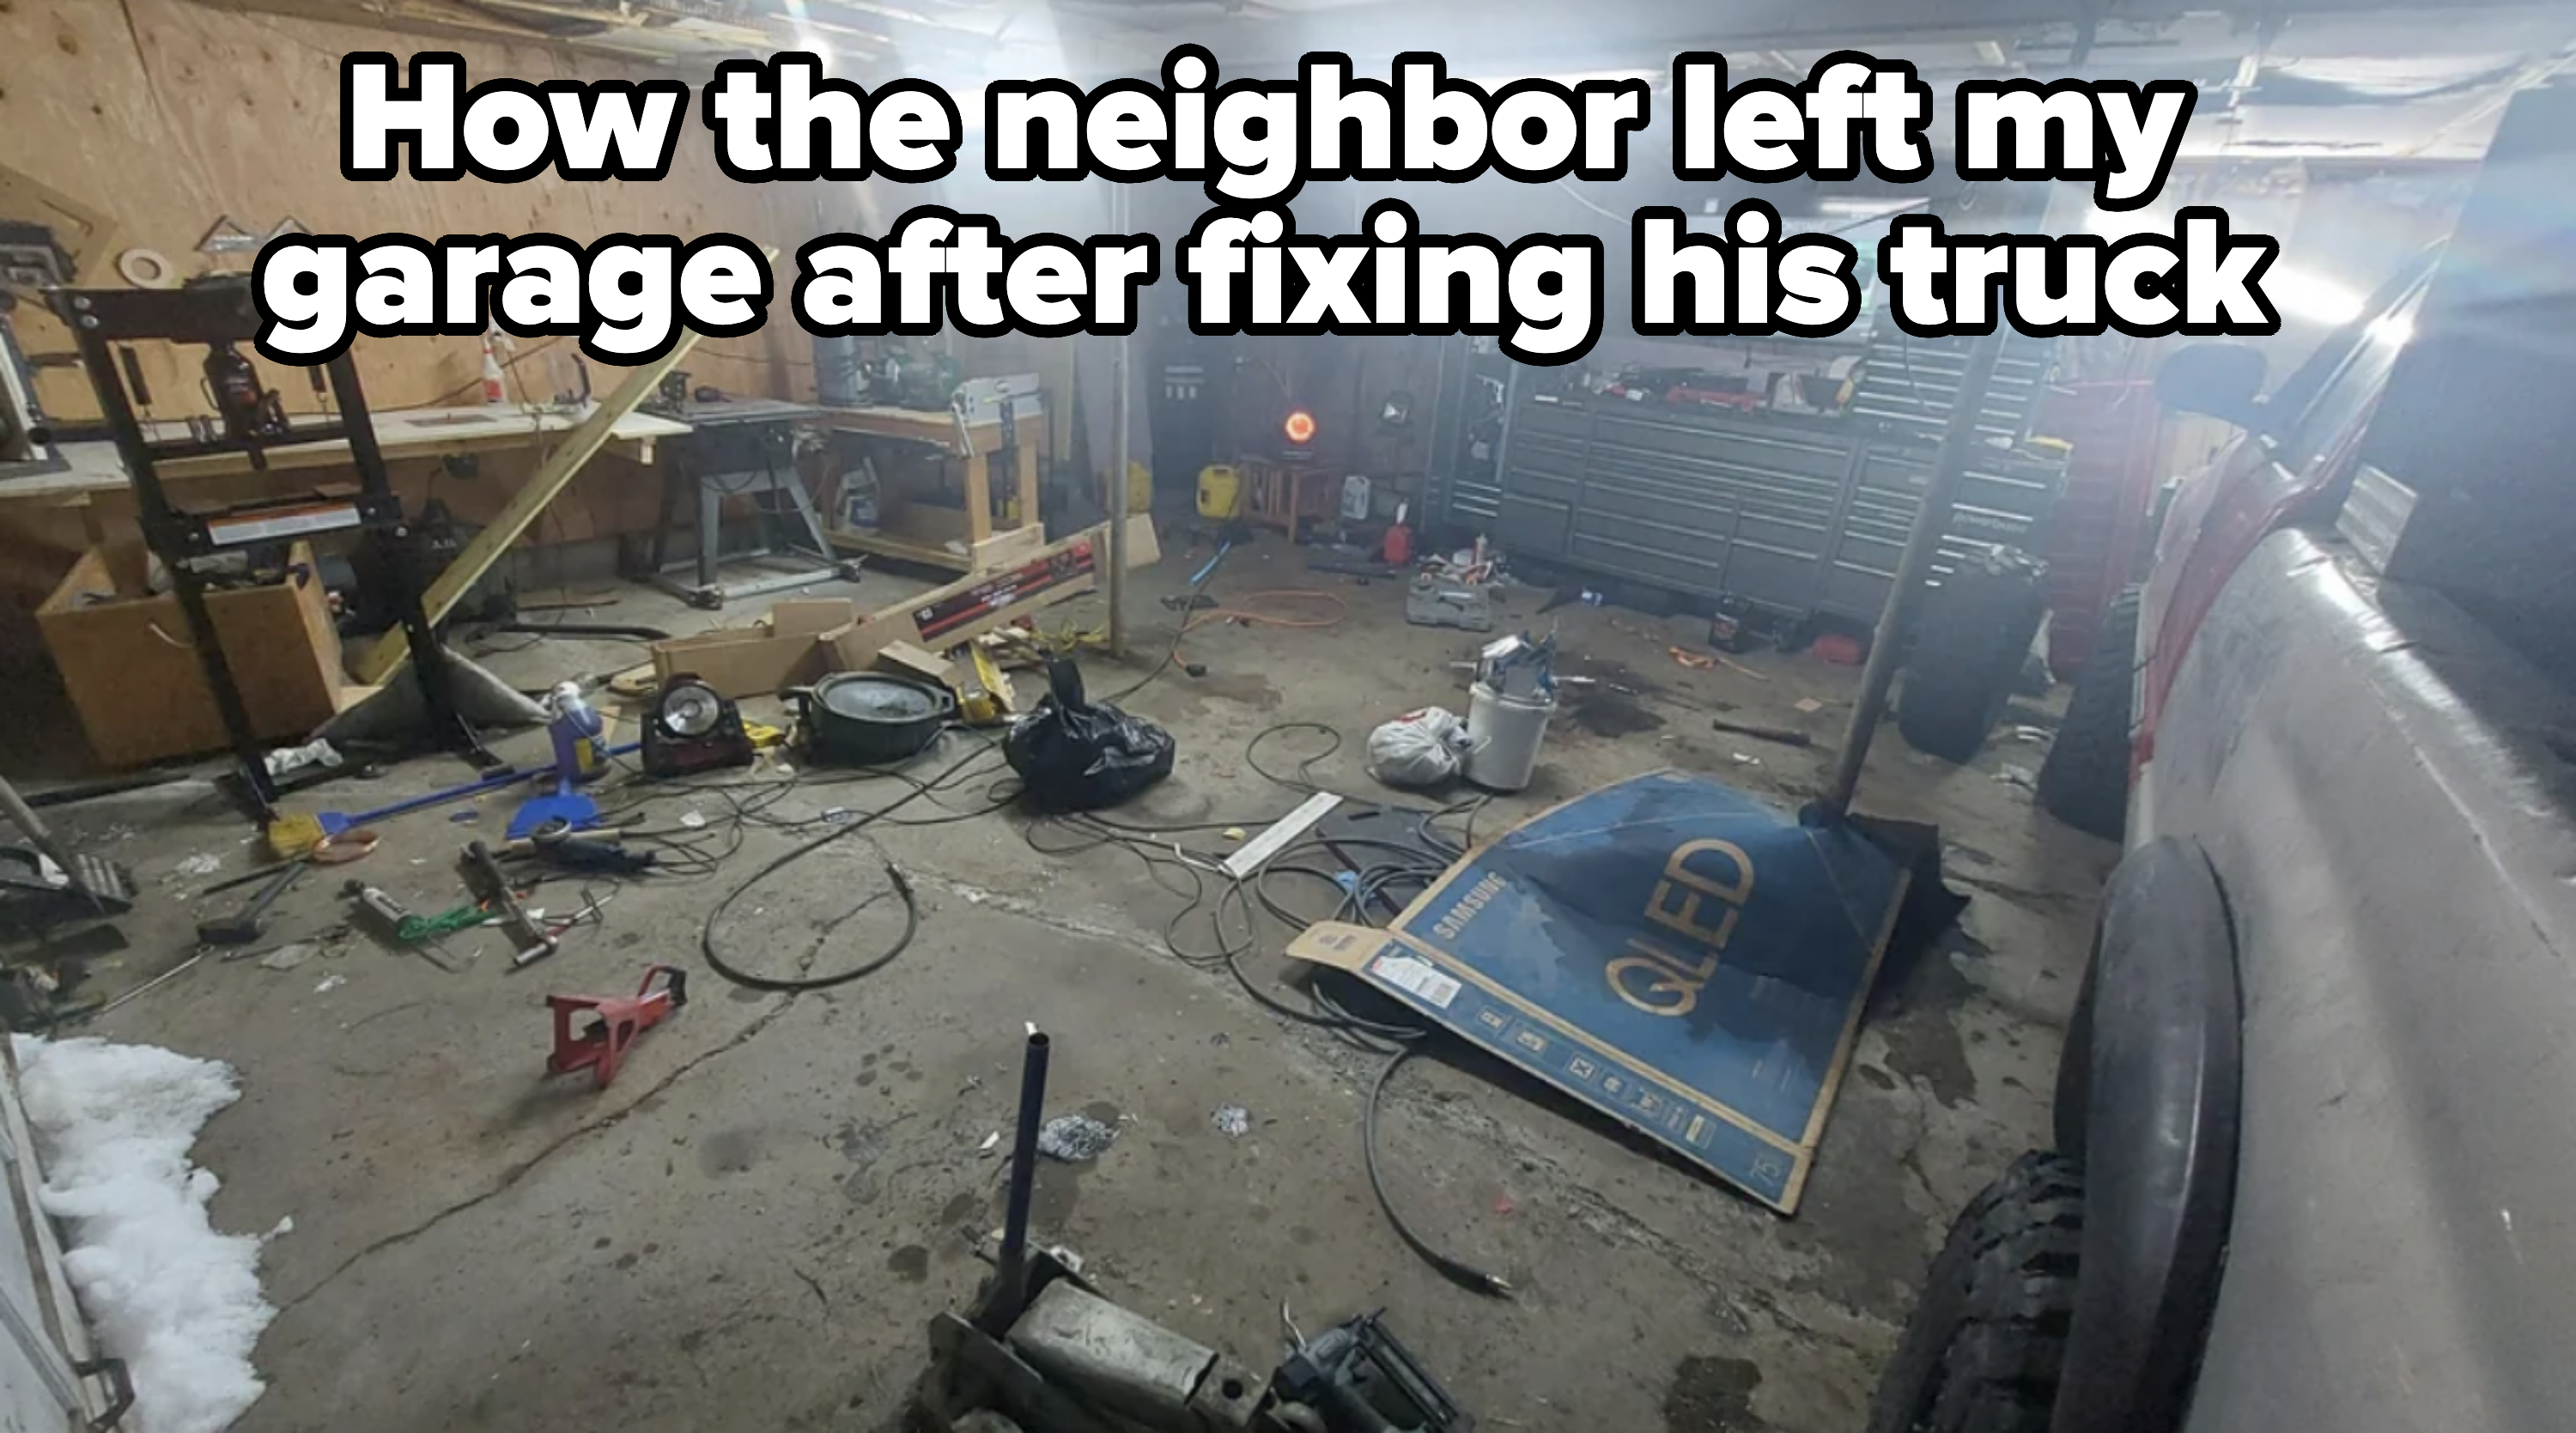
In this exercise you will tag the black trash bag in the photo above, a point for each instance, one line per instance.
(1074, 755)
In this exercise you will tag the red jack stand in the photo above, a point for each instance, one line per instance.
(621, 1019)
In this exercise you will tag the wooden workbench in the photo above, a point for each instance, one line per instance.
(967, 539)
(401, 433)
(89, 501)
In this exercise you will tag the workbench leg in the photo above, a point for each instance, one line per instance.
(667, 514)
(803, 502)
(979, 498)
(1027, 478)
(710, 531)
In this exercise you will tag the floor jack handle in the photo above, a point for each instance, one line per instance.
(1012, 1269)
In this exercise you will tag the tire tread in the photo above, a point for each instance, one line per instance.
(1984, 1348)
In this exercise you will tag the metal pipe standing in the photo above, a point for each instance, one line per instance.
(1117, 583)
(1904, 594)
(1011, 1271)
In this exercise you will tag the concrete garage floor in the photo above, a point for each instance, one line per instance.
(752, 1227)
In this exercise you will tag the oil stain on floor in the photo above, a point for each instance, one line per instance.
(1713, 1395)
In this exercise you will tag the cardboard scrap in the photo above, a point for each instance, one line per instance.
(803, 638)
(975, 604)
(781, 650)
(908, 660)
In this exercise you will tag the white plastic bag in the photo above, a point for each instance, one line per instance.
(1421, 748)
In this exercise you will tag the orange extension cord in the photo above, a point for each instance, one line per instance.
(1311, 620)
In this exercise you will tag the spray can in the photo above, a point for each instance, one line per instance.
(492, 390)
(576, 729)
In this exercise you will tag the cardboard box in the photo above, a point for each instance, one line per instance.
(135, 681)
(911, 661)
(784, 649)
(969, 607)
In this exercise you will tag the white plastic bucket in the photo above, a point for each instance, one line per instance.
(1503, 736)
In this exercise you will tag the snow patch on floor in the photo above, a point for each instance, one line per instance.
(180, 1303)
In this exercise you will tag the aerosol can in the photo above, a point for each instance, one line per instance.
(493, 390)
(576, 730)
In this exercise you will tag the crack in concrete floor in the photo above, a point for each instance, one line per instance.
(521, 1169)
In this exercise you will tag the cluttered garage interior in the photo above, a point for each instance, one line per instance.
(1196, 716)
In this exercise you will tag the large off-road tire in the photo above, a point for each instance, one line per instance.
(2085, 780)
(1975, 634)
(1984, 1348)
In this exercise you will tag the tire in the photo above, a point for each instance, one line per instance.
(1984, 1348)
(1976, 633)
(2085, 780)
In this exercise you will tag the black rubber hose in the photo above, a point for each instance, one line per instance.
(902, 891)
(1464, 1275)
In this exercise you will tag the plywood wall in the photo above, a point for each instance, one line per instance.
(165, 114)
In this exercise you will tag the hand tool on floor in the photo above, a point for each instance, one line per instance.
(1356, 1378)
(1786, 736)
(397, 926)
(256, 873)
(1432, 604)
(605, 851)
(484, 878)
(620, 1019)
(293, 834)
(246, 924)
(164, 978)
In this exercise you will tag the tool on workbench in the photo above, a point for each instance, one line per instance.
(1786, 736)
(246, 924)
(740, 459)
(619, 1020)
(484, 878)
(1356, 1378)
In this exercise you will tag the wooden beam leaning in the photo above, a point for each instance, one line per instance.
(578, 448)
